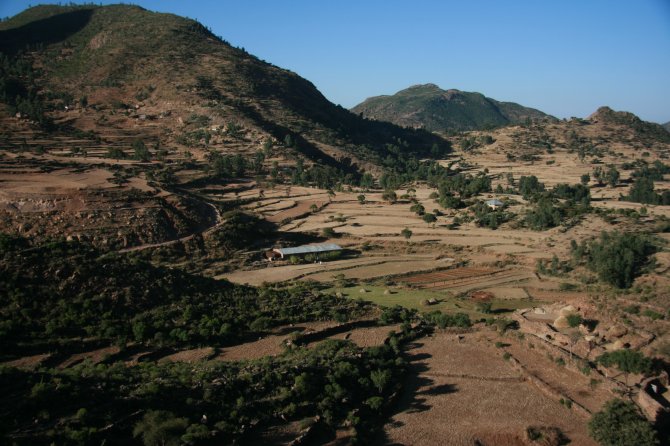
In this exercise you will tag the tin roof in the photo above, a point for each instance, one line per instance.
(323, 247)
(494, 202)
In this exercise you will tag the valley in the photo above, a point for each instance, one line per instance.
(498, 282)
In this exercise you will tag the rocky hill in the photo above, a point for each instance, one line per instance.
(606, 137)
(643, 129)
(429, 107)
(667, 126)
(112, 68)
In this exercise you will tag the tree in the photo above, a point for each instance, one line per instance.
(612, 176)
(599, 175)
(530, 185)
(429, 218)
(620, 424)
(543, 216)
(585, 179)
(642, 191)
(160, 428)
(361, 199)
(380, 379)
(418, 209)
(407, 233)
(390, 196)
(628, 361)
(367, 181)
(116, 153)
(140, 151)
(267, 147)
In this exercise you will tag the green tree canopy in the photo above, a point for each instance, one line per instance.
(619, 257)
(620, 424)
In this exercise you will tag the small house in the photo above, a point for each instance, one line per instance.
(495, 204)
(300, 251)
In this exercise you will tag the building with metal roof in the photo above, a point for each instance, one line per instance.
(494, 203)
(302, 250)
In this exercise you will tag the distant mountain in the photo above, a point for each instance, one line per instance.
(643, 129)
(168, 74)
(428, 106)
(667, 126)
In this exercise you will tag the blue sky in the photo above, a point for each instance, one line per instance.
(565, 57)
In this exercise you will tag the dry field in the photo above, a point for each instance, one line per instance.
(359, 268)
(368, 336)
(464, 392)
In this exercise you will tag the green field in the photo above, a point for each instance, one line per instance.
(413, 298)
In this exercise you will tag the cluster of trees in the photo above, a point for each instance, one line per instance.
(464, 185)
(610, 176)
(552, 207)
(643, 190)
(116, 299)
(18, 89)
(203, 403)
(617, 257)
(444, 320)
(326, 177)
(490, 218)
(228, 166)
(544, 215)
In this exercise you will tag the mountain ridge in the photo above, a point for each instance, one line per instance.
(166, 66)
(430, 107)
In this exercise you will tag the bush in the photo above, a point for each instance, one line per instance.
(574, 320)
(328, 232)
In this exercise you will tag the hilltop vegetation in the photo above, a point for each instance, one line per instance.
(429, 107)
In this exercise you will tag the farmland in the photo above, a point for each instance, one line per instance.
(197, 247)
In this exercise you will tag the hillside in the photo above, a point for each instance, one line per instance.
(114, 69)
(431, 108)
(643, 129)
(606, 137)
(667, 126)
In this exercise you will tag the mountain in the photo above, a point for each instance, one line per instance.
(643, 130)
(666, 126)
(171, 78)
(428, 106)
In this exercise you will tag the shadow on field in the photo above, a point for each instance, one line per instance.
(417, 389)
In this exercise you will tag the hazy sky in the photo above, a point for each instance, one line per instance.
(565, 57)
